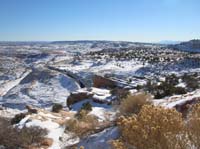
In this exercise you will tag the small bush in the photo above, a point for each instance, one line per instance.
(18, 118)
(166, 89)
(85, 109)
(13, 137)
(133, 103)
(120, 93)
(82, 124)
(172, 79)
(86, 106)
(191, 81)
(152, 128)
(31, 135)
(180, 90)
(57, 108)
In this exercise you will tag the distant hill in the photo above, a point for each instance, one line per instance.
(189, 46)
(195, 44)
(169, 42)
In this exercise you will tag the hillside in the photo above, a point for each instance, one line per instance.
(79, 92)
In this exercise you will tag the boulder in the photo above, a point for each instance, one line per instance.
(31, 110)
(77, 97)
(102, 82)
(47, 142)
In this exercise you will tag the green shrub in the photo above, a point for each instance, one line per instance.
(165, 89)
(57, 107)
(86, 106)
(18, 118)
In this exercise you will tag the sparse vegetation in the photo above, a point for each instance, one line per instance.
(169, 86)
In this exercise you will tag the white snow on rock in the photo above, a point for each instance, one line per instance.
(101, 94)
(100, 91)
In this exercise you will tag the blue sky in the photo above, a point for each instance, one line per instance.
(128, 20)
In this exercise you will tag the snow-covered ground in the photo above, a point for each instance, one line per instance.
(6, 86)
(27, 78)
(42, 91)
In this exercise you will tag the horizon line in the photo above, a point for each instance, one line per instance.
(96, 40)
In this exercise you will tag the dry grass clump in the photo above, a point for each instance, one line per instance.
(82, 123)
(152, 128)
(133, 103)
(13, 137)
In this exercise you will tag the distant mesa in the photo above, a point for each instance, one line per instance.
(189, 46)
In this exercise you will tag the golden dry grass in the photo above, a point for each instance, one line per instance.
(152, 128)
